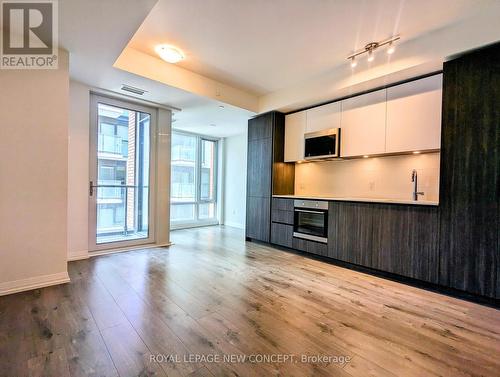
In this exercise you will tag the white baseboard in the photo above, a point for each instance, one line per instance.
(28, 284)
(234, 225)
(87, 255)
(128, 248)
(78, 256)
(199, 224)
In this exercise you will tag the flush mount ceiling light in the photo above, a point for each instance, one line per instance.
(371, 47)
(170, 54)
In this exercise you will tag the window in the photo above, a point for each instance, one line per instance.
(193, 180)
(122, 202)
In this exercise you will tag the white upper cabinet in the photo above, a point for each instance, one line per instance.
(295, 127)
(414, 115)
(323, 117)
(402, 118)
(363, 125)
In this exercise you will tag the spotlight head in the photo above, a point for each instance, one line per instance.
(391, 49)
(371, 56)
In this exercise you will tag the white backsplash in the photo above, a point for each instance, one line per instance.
(375, 177)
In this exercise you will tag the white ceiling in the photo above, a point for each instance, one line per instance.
(285, 54)
(95, 32)
(263, 46)
(205, 117)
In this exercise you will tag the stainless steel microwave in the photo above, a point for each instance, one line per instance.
(322, 144)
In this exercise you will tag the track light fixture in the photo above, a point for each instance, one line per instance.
(371, 47)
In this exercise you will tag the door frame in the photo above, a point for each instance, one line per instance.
(95, 99)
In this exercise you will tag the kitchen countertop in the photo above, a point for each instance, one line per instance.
(357, 199)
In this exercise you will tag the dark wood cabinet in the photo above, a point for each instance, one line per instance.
(401, 239)
(283, 204)
(282, 211)
(470, 163)
(282, 222)
(405, 241)
(261, 127)
(284, 217)
(350, 232)
(282, 234)
(267, 174)
(258, 218)
(259, 166)
(497, 288)
(310, 246)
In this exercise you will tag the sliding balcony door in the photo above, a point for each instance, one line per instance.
(193, 180)
(121, 174)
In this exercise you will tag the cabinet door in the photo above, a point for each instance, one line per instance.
(258, 218)
(497, 261)
(470, 173)
(414, 115)
(282, 211)
(405, 240)
(260, 127)
(283, 204)
(363, 124)
(350, 232)
(284, 217)
(295, 125)
(259, 165)
(310, 246)
(323, 117)
(282, 234)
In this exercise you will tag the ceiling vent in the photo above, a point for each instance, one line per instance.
(133, 89)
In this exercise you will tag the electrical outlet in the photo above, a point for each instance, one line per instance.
(371, 185)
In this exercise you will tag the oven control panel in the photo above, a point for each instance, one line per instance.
(312, 204)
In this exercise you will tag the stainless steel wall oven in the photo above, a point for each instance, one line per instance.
(311, 220)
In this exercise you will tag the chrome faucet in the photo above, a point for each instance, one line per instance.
(414, 179)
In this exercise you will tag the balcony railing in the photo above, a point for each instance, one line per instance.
(112, 144)
(118, 207)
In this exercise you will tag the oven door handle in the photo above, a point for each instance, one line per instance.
(309, 211)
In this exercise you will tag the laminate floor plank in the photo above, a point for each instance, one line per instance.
(129, 353)
(152, 312)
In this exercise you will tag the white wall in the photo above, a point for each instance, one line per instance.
(78, 170)
(235, 180)
(34, 177)
(379, 177)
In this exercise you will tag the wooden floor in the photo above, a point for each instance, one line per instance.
(178, 311)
